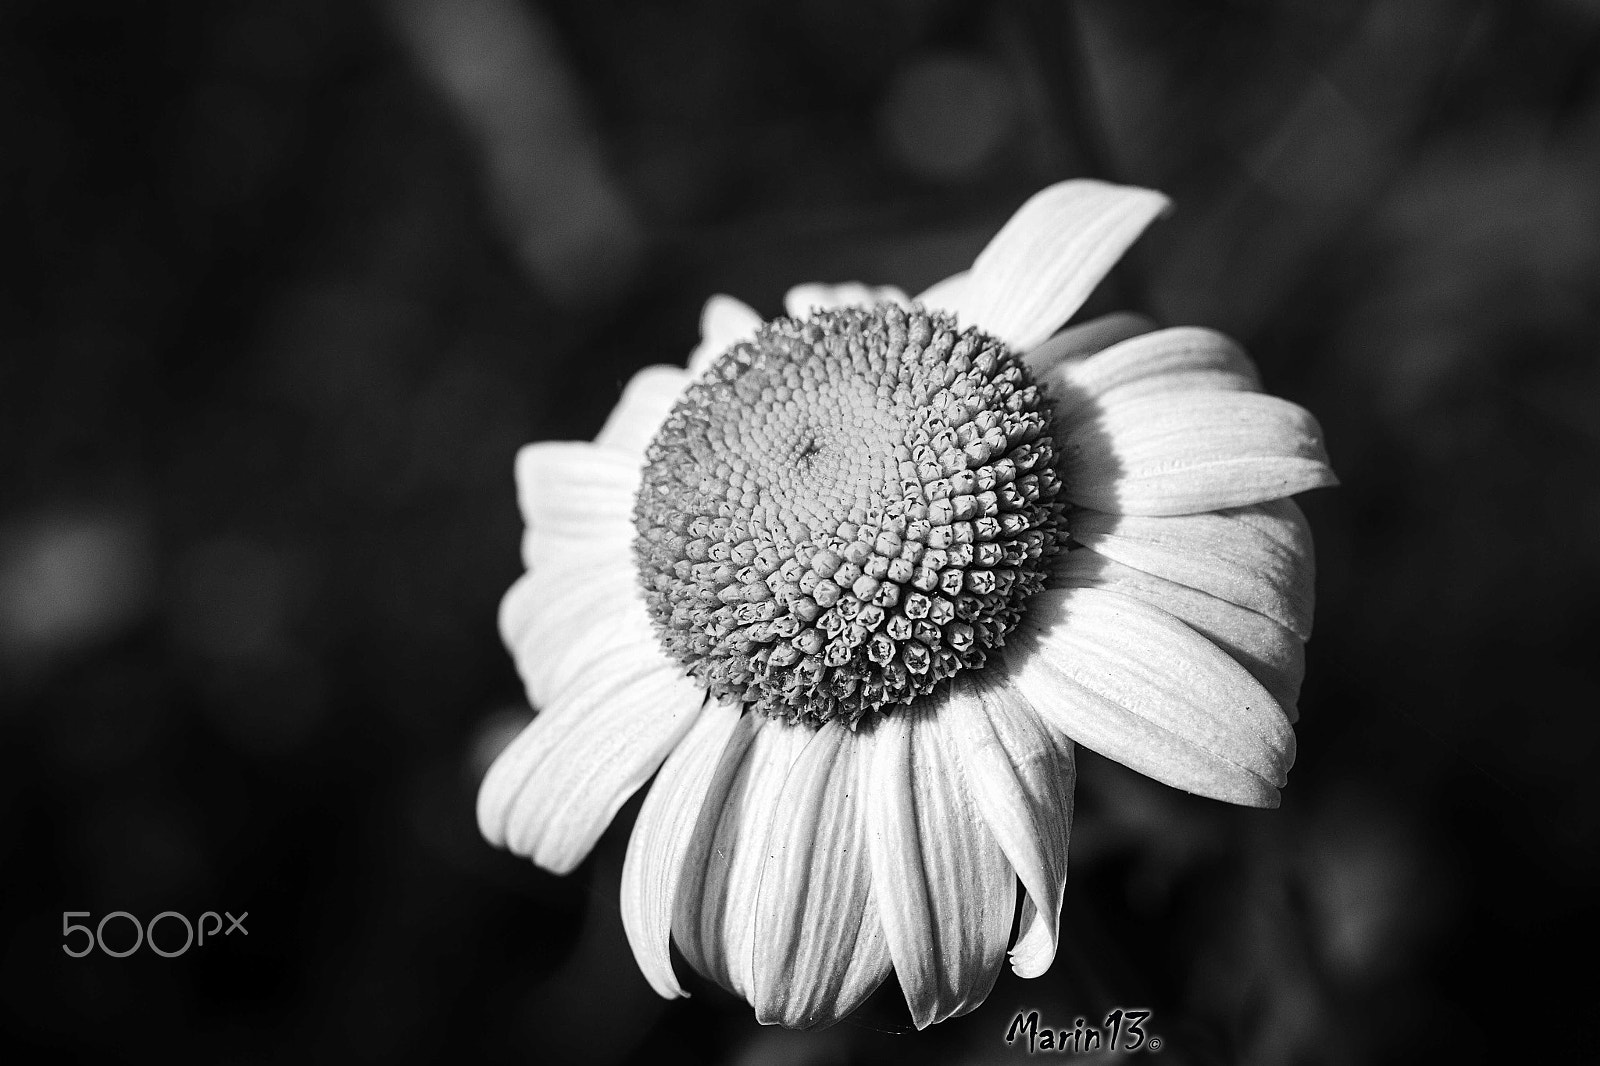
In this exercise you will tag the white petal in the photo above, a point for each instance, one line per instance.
(1138, 686)
(1186, 452)
(1273, 655)
(723, 323)
(661, 837)
(575, 497)
(1022, 775)
(612, 704)
(1169, 360)
(802, 300)
(1259, 557)
(819, 948)
(1076, 343)
(945, 890)
(563, 625)
(1044, 263)
(715, 921)
(557, 786)
(644, 405)
(945, 295)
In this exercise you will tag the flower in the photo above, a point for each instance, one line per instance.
(858, 579)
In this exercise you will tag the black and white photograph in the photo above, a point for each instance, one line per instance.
(807, 533)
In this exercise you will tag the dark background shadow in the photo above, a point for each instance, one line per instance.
(286, 283)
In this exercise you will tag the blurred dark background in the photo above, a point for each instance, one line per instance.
(286, 282)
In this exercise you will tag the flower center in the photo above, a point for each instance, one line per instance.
(846, 511)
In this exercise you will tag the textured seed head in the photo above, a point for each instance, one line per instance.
(847, 510)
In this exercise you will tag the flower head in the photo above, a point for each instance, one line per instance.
(846, 511)
(858, 579)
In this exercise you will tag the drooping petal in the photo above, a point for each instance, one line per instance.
(1186, 452)
(1138, 686)
(1169, 360)
(945, 295)
(661, 837)
(723, 323)
(576, 498)
(819, 947)
(945, 890)
(1259, 557)
(1076, 343)
(715, 920)
(1049, 257)
(1022, 777)
(646, 400)
(556, 787)
(802, 300)
(1273, 655)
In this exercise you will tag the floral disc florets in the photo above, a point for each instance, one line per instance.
(847, 510)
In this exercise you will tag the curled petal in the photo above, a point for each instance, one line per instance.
(561, 625)
(661, 838)
(1138, 686)
(644, 405)
(716, 906)
(1049, 257)
(1259, 557)
(723, 323)
(820, 950)
(612, 705)
(945, 890)
(1273, 655)
(1076, 343)
(557, 786)
(802, 300)
(1186, 452)
(578, 599)
(1168, 360)
(1022, 776)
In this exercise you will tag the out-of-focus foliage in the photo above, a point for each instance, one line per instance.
(288, 282)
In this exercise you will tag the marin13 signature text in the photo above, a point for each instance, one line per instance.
(1122, 1030)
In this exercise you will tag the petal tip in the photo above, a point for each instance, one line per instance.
(1030, 963)
(1043, 264)
(664, 984)
(490, 826)
(724, 321)
(1258, 794)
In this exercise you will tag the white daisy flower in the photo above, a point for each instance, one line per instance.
(858, 579)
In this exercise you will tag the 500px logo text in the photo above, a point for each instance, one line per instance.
(146, 933)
